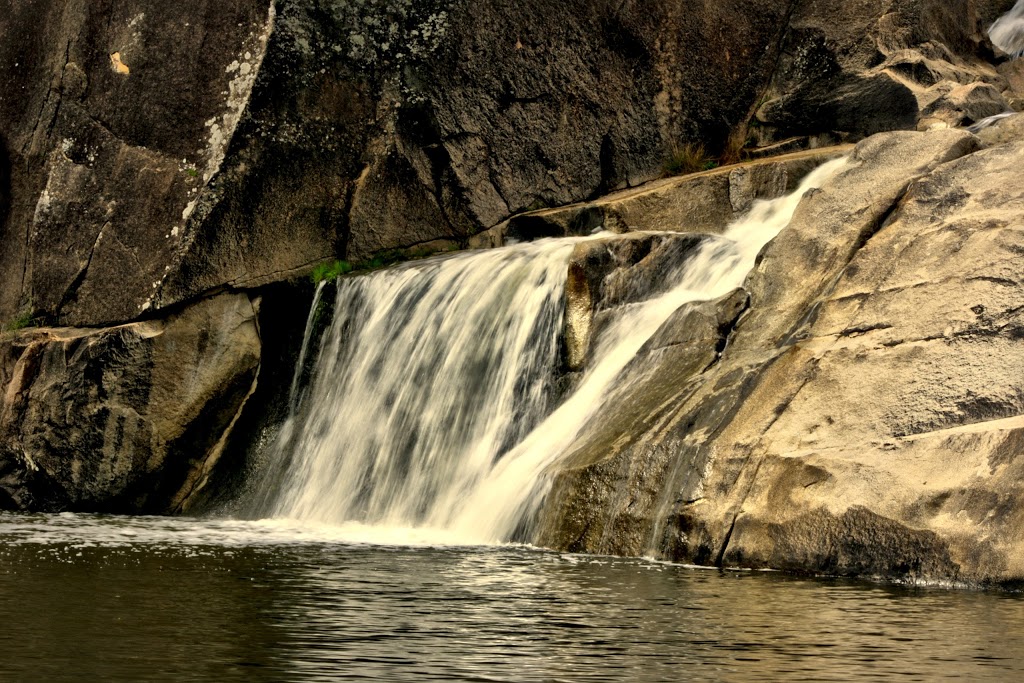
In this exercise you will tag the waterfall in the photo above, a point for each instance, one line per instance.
(1007, 33)
(427, 374)
(431, 402)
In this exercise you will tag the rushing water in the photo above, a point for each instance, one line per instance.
(149, 599)
(1007, 33)
(430, 406)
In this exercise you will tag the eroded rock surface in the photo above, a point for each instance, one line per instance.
(125, 419)
(864, 417)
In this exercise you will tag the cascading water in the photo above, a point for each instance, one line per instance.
(427, 374)
(1007, 33)
(430, 403)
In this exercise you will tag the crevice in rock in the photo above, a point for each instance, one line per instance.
(720, 560)
(72, 291)
(202, 472)
(60, 87)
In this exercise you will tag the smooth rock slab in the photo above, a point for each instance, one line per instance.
(865, 417)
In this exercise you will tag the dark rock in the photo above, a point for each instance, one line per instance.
(605, 274)
(852, 69)
(127, 419)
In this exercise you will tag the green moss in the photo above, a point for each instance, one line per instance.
(192, 172)
(330, 270)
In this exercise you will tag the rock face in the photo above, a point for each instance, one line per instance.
(864, 417)
(850, 69)
(123, 419)
(606, 274)
(161, 153)
(152, 155)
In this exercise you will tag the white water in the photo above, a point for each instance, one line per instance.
(428, 373)
(1007, 33)
(426, 415)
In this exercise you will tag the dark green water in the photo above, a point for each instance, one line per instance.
(87, 598)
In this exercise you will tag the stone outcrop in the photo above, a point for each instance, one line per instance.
(123, 419)
(162, 153)
(864, 416)
(700, 202)
(850, 69)
(609, 273)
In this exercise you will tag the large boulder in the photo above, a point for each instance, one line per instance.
(864, 414)
(611, 272)
(127, 419)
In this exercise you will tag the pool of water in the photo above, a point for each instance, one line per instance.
(89, 598)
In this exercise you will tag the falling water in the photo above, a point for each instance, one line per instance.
(1007, 33)
(430, 406)
(428, 373)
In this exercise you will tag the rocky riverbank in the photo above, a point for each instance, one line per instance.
(167, 176)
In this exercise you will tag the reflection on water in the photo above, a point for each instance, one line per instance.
(154, 599)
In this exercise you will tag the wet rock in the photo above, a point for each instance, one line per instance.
(127, 419)
(605, 274)
(963, 105)
(1004, 131)
(705, 202)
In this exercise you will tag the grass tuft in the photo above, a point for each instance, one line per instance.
(689, 158)
(330, 270)
(20, 323)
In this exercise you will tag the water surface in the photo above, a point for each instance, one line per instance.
(86, 597)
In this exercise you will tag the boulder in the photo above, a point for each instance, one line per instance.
(862, 416)
(608, 273)
(126, 419)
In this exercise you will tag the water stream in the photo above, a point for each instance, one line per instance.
(1007, 33)
(431, 406)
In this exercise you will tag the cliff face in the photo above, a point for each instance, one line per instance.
(153, 155)
(159, 154)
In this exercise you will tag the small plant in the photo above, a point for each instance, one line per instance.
(735, 148)
(21, 322)
(689, 158)
(330, 270)
(192, 172)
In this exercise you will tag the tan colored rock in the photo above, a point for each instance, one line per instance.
(127, 419)
(865, 417)
(705, 202)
